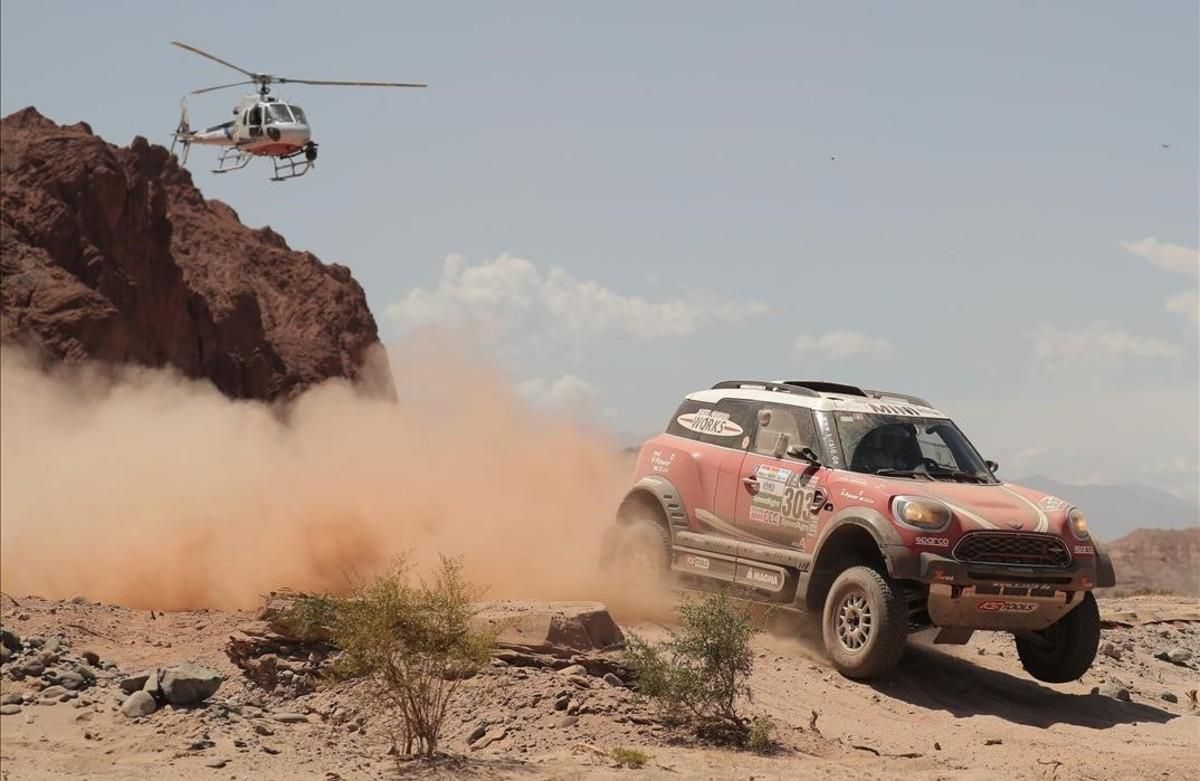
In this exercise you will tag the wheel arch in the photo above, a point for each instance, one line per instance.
(854, 536)
(657, 496)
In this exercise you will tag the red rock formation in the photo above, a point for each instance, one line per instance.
(112, 254)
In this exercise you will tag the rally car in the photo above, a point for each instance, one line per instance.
(869, 508)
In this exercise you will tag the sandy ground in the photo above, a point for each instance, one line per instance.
(961, 713)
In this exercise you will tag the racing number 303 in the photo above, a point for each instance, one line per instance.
(797, 504)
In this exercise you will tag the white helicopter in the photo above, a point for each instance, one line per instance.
(262, 126)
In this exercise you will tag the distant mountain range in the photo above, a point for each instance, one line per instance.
(1115, 510)
(1166, 559)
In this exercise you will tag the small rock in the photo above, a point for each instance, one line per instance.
(563, 702)
(91, 657)
(139, 703)
(1111, 651)
(137, 681)
(263, 729)
(10, 641)
(270, 749)
(993, 742)
(52, 693)
(32, 668)
(216, 764)
(1179, 655)
(11, 698)
(10, 709)
(80, 600)
(1169, 697)
(580, 680)
(568, 721)
(575, 669)
(188, 684)
(612, 680)
(289, 718)
(494, 734)
(71, 680)
(1112, 690)
(476, 734)
(937, 746)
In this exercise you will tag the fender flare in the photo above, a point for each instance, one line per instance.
(902, 562)
(667, 495)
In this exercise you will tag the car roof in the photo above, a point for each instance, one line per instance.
(821, 395)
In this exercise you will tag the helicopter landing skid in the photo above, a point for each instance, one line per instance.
(232, 159)
(294, 164)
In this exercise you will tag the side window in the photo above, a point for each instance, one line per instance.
(727, 423)
(256, 116)
(775, 420)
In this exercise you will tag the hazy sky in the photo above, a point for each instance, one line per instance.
(966, 201)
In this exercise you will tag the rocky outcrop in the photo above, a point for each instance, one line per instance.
(112, 254)
(1158, 559)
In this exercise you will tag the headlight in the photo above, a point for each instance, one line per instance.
(921, 513)
(1078, 523)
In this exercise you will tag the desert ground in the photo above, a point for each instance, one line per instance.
(966, 712)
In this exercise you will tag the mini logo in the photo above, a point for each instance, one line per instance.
(1015, 524)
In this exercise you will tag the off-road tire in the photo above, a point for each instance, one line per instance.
(863, 592)
(647, 540)
(1066, 650)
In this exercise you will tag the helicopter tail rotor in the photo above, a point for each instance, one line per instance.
(183, 133)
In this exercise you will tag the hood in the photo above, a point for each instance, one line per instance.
(1006, 507)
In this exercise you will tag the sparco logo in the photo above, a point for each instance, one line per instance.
(1000, 606)
(935, 542)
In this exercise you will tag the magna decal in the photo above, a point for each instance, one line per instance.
(710, 422)
(1002, 606)
(757, 575)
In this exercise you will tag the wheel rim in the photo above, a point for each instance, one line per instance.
(853, 621)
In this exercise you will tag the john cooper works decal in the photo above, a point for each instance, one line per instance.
(782, 499)
(710, 422)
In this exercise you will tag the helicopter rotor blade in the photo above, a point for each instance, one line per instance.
(203, 53)
(221, 86)
(282, 80)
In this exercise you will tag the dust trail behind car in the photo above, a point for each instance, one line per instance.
(139, 487)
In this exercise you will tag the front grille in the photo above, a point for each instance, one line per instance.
(1023, 549)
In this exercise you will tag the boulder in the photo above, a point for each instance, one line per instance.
(560, 628)
(132, 683)
(188, 684)
(139, 703)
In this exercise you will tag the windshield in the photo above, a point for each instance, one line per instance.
(298, 113)
(905, 446)
(277, 112)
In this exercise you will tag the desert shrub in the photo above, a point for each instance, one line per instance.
(415, 639)
(702, 670)
(760, 737)
(308, 617)
(629, 757)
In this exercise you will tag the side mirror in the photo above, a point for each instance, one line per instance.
(992, 466)
(783, 444)
(806, 454)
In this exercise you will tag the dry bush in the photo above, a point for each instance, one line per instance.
(703, 670)
(415, 639)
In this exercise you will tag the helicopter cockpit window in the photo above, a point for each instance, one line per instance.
(298, 113)
(255, 116)
(277, 112)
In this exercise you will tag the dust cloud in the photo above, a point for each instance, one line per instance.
(141, 488)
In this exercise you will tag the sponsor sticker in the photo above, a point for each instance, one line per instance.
(1052, 504)
(858, 497)
(759, 576)
(696, 562)
(1004, 606)
(934, 542)
(1085, 550)
(710, 422)
(660, 464)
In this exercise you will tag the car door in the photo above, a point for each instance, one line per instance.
(781, 497)
(720, 434)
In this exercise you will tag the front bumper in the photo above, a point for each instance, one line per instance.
(1002, 597)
